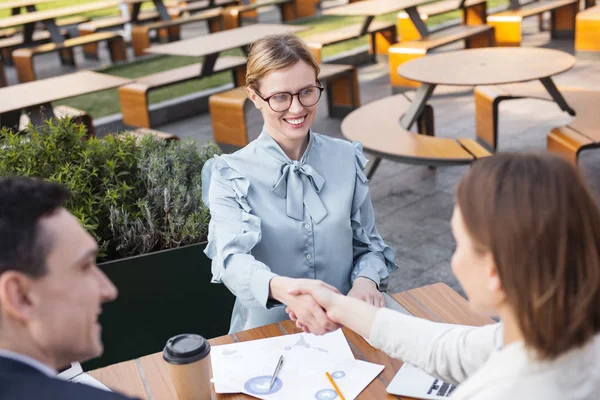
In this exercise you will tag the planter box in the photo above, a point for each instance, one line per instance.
(161, 294)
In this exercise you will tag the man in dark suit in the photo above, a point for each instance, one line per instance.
(51, 294)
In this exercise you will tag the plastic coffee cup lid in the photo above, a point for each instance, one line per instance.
(185, 349)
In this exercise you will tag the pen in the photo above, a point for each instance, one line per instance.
(337, 389)
(276, 372)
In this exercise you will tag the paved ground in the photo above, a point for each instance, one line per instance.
(413, 204)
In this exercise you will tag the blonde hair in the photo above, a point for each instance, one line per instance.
(274, 53)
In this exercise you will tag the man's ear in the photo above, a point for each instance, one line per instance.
(253, 97)
(15, 300)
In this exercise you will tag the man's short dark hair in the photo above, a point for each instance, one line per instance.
(23, 202)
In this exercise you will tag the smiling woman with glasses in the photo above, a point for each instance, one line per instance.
(293, 206)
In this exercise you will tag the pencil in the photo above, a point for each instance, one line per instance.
(337, 389)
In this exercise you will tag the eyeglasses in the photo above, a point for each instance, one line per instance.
(281, 102)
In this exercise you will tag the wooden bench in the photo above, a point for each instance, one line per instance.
(140, 34)
(142, 132)
(474, 13)
(587, 33)
(382, 35)
(23, 58)
(8, 32)
(81, 117)
(508, 23)
(581, 133)
(227, 109)
(68, 22)
(3, 81)
(90, 51)
(134, 96)
(10, 43)
(78, 116)
(192, 7)
(306, 8)
(61, 23)
(376, 125)
(232, 16)
(473, 35)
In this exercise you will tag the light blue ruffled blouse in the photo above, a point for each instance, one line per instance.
(271, 216)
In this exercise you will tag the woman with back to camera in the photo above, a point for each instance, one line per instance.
(527, 237)
(292, 206)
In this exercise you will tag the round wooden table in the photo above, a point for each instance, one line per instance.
(484, 66)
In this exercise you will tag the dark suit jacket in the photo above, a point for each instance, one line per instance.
(20, 381)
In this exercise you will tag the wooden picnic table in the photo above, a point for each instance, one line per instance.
(37, 97)
(210, 46)
(484, 66)
(48, 17)
(16, 5)
(369, 9)
(148, 378)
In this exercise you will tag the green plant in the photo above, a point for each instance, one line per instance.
(171, 212)
(134, 197)
(99, 173)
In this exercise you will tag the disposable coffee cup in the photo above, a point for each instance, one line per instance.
(189, 365)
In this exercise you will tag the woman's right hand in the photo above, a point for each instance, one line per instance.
(307, 311)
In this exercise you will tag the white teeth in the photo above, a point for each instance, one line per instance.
(296, 121)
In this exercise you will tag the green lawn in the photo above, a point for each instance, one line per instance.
(107, 103)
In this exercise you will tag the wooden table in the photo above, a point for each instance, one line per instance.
(39, 95)
(210, 46)
(369, 9)
(485, 66)
(148, 378)
(16, 5)
(48, 17)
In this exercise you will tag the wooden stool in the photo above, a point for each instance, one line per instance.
(587, 32)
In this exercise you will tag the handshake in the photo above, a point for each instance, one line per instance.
(319, 308)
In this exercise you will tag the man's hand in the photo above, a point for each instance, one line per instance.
(366, 290)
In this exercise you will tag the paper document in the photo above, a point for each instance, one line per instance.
(411, 381)
(247, 367)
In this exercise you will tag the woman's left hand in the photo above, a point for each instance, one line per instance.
(366, 290)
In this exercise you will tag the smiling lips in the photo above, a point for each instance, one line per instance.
(296, 122)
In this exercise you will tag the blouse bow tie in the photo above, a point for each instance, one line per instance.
(300, 185)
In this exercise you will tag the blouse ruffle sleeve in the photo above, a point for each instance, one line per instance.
(373, 259)
(232, 233)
